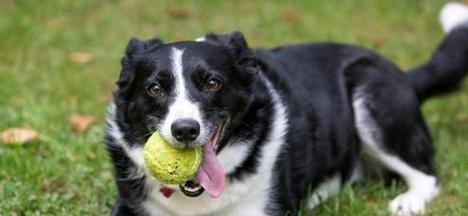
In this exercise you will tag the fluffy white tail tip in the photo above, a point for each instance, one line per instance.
(453, 15)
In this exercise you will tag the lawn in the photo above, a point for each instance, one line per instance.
(67, 173)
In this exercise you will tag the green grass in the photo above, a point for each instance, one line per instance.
(70, 174)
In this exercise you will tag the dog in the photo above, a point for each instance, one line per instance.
(278, 127)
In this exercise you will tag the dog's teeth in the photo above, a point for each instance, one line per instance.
(191, 189)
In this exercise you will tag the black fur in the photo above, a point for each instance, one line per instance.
(445, 70)
(316, 83)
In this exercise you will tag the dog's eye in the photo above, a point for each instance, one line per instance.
(154, 90)
(213, 85)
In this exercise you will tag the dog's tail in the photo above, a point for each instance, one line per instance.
(449, 64)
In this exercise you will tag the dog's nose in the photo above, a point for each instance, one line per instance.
(185, 130)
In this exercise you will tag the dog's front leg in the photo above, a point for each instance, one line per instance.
(120, 209)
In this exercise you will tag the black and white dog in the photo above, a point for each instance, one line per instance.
(278, 126)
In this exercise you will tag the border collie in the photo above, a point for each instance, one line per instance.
(278, 126)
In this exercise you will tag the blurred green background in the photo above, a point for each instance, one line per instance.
(42, 83)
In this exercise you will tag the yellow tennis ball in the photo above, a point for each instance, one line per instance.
(168, 164)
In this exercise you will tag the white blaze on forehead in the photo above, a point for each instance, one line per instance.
(181, 107)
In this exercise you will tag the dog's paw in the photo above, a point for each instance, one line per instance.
(407, 204)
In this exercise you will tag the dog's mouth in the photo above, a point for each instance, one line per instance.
(191, 189)
(210, 176)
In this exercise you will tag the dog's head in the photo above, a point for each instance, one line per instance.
(187, 91)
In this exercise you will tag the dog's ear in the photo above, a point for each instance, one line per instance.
(134, 48)
(235, 41)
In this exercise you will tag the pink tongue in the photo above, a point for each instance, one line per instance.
(211, 174)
